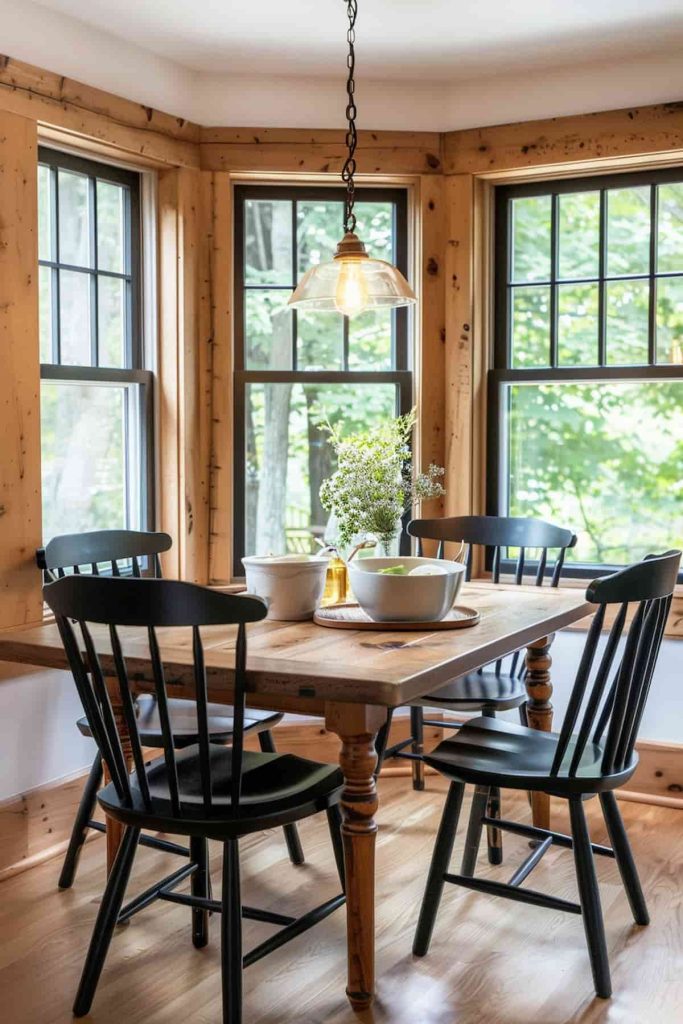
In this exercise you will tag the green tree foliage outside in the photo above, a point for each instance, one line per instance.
(604, 458)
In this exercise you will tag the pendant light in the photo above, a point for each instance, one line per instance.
(352, 281)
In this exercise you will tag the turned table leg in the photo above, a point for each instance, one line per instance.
(539, 710)
(357, 726)
(114, 828)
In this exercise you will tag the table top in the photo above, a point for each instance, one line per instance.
(300, 666)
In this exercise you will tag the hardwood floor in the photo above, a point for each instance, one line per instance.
(491, 960)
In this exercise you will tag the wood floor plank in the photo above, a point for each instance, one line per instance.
(491, 961)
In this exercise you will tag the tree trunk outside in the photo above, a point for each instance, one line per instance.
(320, 459)
(272, 492)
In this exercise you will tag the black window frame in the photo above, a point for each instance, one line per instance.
(502, 374)
(401, 375)
(134, 372)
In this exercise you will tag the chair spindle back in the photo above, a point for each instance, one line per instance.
(613, 710)
(498, 533)
(73, 552)
(149, 604)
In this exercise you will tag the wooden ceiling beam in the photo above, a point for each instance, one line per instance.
(62, 103)
(581, 139)
(300, 150)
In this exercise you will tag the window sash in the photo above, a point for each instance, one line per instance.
(138, 410)
(503, 374)
(504, 286)
(130, 180)
(399, 375)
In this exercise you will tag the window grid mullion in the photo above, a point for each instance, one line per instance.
(554, 249)
(345, 330)
(105, 273)
(57, 305)
(652, 297)
(94, 286)
(602, 260)
(510, 227)
(132, 358)
(295, 271)
(127, 459)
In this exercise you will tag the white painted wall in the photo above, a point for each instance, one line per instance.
(39, 741)
(425, 105)
(663, 718)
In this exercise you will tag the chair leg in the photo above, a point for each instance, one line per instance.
(417, 733)
(474, 829)
(106, 921)
(589, 895)
(334, 821)
(382, 740)
(294, 849)
(523, 716)
(624, 857)
(494, 836)
(443, 848)
(86, 809)
(231, 935)
(200, 885)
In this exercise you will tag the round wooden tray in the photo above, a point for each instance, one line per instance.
(351, 616)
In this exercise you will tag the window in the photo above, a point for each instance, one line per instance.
(586, 395)
(95, 395)
(295, 372)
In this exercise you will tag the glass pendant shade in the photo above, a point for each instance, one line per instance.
(352, 282)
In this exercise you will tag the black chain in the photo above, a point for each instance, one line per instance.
(349, 168)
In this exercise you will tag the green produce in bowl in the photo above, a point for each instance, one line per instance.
(394, 570)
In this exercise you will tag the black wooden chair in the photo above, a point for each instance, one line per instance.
(593, 754)
(207, 791)
(499, 687)
(136, 553)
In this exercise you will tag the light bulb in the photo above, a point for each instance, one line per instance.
(351, 296)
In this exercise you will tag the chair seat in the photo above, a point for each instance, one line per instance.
(276, 789)
(492, 752)
(183, 714)
(478, 690)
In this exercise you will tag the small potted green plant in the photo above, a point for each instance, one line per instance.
(373, 484)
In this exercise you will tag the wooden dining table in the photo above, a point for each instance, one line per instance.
(351, 677)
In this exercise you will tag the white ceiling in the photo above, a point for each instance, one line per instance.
(439, 39)
(432, 65)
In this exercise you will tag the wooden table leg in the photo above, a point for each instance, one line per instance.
(357, 726)
(115, 829)
(539, 710)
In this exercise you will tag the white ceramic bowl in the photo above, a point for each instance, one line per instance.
(405, 598)
(291, 585)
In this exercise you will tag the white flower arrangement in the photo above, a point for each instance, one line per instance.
(373, 484)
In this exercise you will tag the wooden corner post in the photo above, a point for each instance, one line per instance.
(20, 499)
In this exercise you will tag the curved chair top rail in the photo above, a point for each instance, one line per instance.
(71, 550)
(494, 531)
(150, 603)
(653, 578)
(599, 708)
(498, 533)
